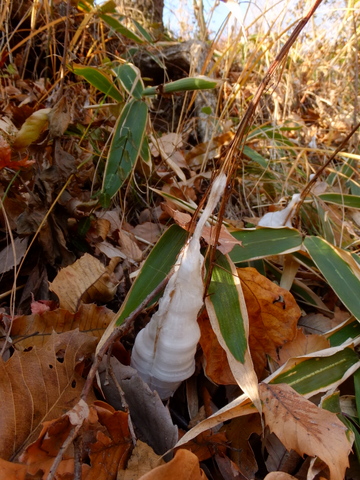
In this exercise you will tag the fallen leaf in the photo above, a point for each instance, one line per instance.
(30, 330)
(148, 413)
(129, 246)
(143, 459)
(226, 241)
(105, 442)
(241, 452)
(273, 315)
(31, 129)
(279, 476)
(302, 426)
(301, 345)
(72, 283)
(18, 247)
(44, 379)
(184, 466)
(215, 363)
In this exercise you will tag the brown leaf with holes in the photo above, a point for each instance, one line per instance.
(273, 315)
(44, 381)
(302, 426)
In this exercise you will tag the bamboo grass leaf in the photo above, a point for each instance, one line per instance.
(125, 148)
(263, 242)
(157, 265)
(351, 201)
(339, 269)
(99, 80)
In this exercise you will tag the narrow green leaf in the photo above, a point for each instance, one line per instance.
(351, 201)
(99, 80)
(356, 377)
(125, 147)
(116, 25)
(336, 271)
(318, 373)
(130, 78)
(142, 31)
(263, 242)
(157, 265)
(255, 156)
(350, 330)
(223, 294)
(183, 85)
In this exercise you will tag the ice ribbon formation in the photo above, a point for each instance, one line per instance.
(164, 351)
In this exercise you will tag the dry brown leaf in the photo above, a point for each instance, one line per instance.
(129, 246)
(45, 382)
(241, 452)
(302, 426)
(7, 260)
(196, 156)
(30, 330)
(273, 315)
(72, 283)
(143, 459)
(279, 476)
(226, 241)
(216, 365)
(206, 444)
(148, 231)
(184, 466)
(301, 345)
(106, 441)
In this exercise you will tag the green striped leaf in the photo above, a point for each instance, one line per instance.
(157, 265)
(339, 269)
(99, 80)
(263, 242)
(229, 306)
(125, 148)
(311, 375)
(351, 201)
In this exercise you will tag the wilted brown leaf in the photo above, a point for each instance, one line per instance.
(184, 466)
(302, 426)
(86, 277)
(106, 442)
(216, 365)
(241, 452)
(301, 345)
(30, 330)
(273, 315)
(143, 459)
(44, 380)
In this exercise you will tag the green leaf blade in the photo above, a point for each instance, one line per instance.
(336, 271)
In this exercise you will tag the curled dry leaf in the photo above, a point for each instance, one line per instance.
(44, 379)
(85, 280)
(184, 466)
(31, 129)
(302, 426)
